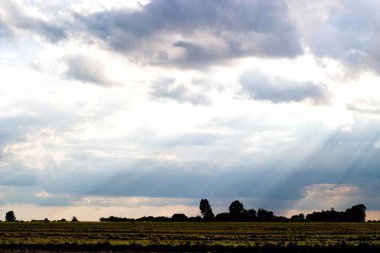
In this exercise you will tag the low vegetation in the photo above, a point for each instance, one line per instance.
(190, 236)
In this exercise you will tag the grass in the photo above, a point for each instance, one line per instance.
(189, 237)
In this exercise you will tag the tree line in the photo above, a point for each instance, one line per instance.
(237, 212)
(11, 217)
(353, 214)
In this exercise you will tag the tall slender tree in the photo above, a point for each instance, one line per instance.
(206, 210)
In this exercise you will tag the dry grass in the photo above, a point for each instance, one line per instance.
(186, 236)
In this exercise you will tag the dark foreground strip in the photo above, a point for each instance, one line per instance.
(107, 247)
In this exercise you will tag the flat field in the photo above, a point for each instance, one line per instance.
(189, 237)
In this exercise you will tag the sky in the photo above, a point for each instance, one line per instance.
(136, 108)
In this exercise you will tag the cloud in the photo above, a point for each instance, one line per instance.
(33, 194)
(193, 139)
(168, 88)
(18, 17)
(343, 30)
(52, 33)
(194, 33)
(87, 70)
(281, 90)
(377, 144)
(28, 117)
(115, 175)
(326, 196)
(16, 175)
(365, 105)
(132, 202)
(5, 30)
(144, 145)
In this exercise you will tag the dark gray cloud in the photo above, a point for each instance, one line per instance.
(191, 33)
(279, 90)
(168, 88)
(195, 54)
(87, 70)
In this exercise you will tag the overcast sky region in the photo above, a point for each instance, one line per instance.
(133, 108)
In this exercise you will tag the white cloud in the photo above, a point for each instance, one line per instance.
(343, 30)
(42, 194)
(167, 88)
(377, 144)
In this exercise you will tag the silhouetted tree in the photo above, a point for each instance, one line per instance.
(206, 209)
(298, 217)
(236, 208)
(251, 213)
(146, 218)
(326, 216)
(356, 213)
(179, 217)
(46, 220)
(196, 218)
(264, 215)
(353, 214)
(10, 216)
(224, 217)
(113, 218)
(74, 219)
(152, 218)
